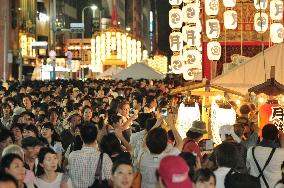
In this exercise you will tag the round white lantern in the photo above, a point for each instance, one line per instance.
(229, 3)
(276, 10)
(212, 28)
(193, 58)
(261, 22)
(177, 64)
(176, 41)
(175, 2)
(276, 32)
(230, 19)
(175, 18)
(187, 73)
(190, 13)
(191, 35)
(211, 7)
(260, 4)
(214, 50)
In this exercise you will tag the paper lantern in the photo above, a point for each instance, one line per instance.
(260, 4)
(212, 28)
(261, 22)
(177, 64)
(230, 19)
(198, 26)
(276, 10)
(193, 58)
(187, 73)
(175, 2)
(176, 41)
(190, 13)
(229, 3)
(276, 32)
(175, 18)
(211, 7)
(214, 50)
(191, 36)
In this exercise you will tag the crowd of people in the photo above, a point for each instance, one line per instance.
(103, 134)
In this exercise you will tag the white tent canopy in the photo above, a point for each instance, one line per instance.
(139, 71)
(110, 72)
(255, 71)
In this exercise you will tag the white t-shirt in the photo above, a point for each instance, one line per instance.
(221, 174)
(272, 172)
(55, 184)
(149, 164)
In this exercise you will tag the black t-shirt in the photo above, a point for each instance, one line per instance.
(122, 155)
(67, 139)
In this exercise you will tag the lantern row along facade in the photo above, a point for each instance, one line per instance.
(185, 38)
(114, 45)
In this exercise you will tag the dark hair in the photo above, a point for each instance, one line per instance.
(32, 128)
(110, 144)
(6, 104)
(52, 110)
(113, 119)
(120, 162)
(238, 180)
(85, 108)
(41, 155)
(190, 160)
(4, 177)
(203, 175)
(18, 125)
(157, 140)
(270, 132)
(7, 161)
(27, 96)
(226, 155)
(245, 109)
(88, 134)
(150, 123)
(142, 118)
(5, 134)
(55, 136)
(193, 135)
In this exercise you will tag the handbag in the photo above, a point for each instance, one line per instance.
(138, 176)
(99, 183)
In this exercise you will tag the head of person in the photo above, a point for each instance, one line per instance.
(88, 134)
(124, 108)
(53, 115)
(87, 113)
(15, 149)
(226, 155)
(173, 173)
(47, 161)
(48, 132)
(157, 140)
(115, 121)
(86, 102)
(74, 119)
(30, 130)
(76, 91)
(27, 101)
(122, 174)
(270, 132)
(142, 118)
(238, 180)
(151, 102)
(150, 123)
(17, 131)
(245, 109)
(231, 132)
(8, 181)
(31, 147)
(197, 130)
(28, 118)
(13, 164)
(110, 144)
(204, 178)
(6, 109)
(192, 161)
(5, 139)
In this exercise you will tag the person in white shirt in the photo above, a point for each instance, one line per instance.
(47, 171)
(227, 158)
(265, 154)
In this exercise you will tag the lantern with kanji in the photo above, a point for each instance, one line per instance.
(276, 32)
(191, 35)
(176, 41)
(190, 13)
(175, 18)
(212, 28)
(211, 7)
(276, 10)
(177, 64)
(230, 19)
(260, 4)
(261, 22)
(214, 50)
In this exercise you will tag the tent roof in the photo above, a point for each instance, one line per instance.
(270, 87)
(139, 71)
(110, 72)
(256, 70)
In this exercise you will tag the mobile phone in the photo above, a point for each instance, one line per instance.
(206, 145)
(164, 112)
(111, 130)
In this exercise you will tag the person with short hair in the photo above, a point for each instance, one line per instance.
(122, 175)
(204, 178)
(173, 173)
(17, 132)
(267, 155)
(6, 118)
(5, 139)
(226, 157)
(27, 102)
(8, 181)
(238, 180)
(82, 163)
